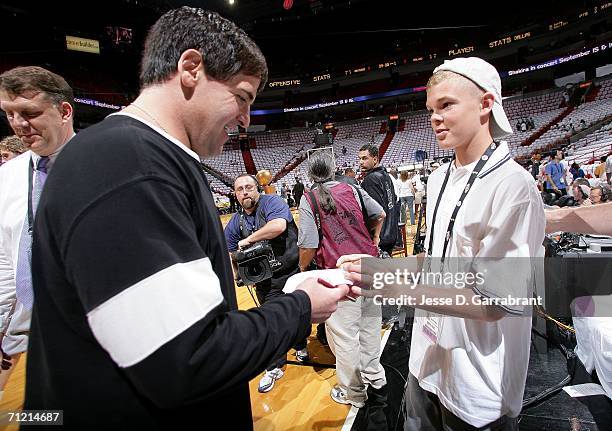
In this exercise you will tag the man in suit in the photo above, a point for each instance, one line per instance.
(39, 107)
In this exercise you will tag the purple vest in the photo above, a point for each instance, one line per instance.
(345, 231)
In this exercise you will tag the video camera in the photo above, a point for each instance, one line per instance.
(256, 263)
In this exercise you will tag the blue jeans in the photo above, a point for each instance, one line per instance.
(407, 201)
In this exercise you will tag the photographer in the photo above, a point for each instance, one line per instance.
(265, 218)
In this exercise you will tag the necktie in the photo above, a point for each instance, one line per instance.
(23, 273)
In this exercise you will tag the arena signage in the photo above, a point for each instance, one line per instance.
(509, 39)
(560, 60)
(556, 25)
(324, 77)
(92, 102)
(285, 83)
(74, 43)
(460, 51)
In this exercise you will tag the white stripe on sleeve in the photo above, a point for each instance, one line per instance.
(133, 324)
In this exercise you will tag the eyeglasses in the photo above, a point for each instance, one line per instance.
(247, 188)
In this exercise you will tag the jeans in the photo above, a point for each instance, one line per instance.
(407, 203)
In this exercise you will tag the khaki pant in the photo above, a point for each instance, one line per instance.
(353, 333)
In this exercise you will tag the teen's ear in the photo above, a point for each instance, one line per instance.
(486, 104)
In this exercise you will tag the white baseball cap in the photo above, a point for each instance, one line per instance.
(486, 77)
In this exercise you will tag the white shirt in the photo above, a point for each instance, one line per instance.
(418, 185)
(478, 369)
(395, 182)
(404, 188)
(13, 211)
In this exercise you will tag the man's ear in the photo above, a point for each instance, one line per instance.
(190, 67)
(67, 111)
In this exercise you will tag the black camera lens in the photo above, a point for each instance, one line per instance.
(255, 269)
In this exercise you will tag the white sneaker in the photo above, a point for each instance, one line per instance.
(267, 381)
(339, 396)
(301, 355)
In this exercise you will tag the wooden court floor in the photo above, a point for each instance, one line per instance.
(299, 401)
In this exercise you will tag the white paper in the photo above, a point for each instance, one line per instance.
(584, 390)
(332, 276)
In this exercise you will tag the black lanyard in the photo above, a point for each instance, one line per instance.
(30, 208)
(449, 231)
(246, 228)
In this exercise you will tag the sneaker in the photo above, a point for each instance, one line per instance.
(302, 355)
(339, 396)
(267, 381)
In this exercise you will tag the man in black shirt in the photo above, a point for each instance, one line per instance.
(379, 185)
(135, 322)
(298, 191)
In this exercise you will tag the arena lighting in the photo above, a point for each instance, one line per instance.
(231, 2)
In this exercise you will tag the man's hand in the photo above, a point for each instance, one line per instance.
(244, 243)
(323, 300)
(362, 278)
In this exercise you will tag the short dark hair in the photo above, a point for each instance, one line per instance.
(226, 49)
(602, 158)
(20, 80)
(249, 176)
(553, 153)
(371, 149)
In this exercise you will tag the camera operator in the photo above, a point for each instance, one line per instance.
(265, 218)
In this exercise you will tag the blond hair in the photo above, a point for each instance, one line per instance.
(447, 75)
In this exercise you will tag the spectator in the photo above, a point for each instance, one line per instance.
(599, 194)
(580, 191)
(531, 123)
(576, 171)
(39, 108)
(600, 170)
(11, 147)
(555, 174)
(380, 186)
(298, 191)
(419, 192)
(535, 166)
(406, 197)
(335, 220)
(344, 178)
